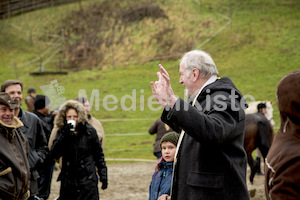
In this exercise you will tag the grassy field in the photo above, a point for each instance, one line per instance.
(256, 49)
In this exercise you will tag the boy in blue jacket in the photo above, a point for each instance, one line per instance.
(160, 186)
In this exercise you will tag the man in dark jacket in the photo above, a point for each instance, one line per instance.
(262, 109)
(210, 162)
(14, 147)
(160, 129)
(32, 129)
(42, 109)
(29, 100)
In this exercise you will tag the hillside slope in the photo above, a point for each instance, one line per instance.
(255, 43)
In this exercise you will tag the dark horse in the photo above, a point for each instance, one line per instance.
(258, 134)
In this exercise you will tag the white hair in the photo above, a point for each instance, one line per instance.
(200, 60)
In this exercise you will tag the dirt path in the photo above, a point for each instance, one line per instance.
(131, 182)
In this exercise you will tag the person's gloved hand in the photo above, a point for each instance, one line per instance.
(42, 153)
(66, 129)
(104, 185)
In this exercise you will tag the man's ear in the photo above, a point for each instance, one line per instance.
(195, 74)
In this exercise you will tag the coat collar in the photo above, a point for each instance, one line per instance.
(24, 119)
(16, 123)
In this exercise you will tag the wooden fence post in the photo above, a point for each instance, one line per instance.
(16, 71)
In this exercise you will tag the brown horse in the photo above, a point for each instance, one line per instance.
(258, 134)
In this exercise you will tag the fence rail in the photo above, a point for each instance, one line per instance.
(10, 8)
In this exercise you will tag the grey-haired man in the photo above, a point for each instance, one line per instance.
(210, 162)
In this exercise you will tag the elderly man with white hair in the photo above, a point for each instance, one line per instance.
(210, 162)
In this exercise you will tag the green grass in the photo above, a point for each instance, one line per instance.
(256, 50)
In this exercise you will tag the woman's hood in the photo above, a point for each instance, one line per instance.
(288, 101)
(60, 119)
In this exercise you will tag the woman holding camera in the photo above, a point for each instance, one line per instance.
(78, 144)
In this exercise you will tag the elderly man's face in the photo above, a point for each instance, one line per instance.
(15, 92)
(6, 114)
(185, 80)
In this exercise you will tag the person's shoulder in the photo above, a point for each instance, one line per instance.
(90, 128)
(93, 120)
(88, 125)
(223, 82)
(91, 131)
(223, 85)
(30, 115)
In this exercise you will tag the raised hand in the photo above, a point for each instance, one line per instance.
(162, 89)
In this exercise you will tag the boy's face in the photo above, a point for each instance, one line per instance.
(168, 150)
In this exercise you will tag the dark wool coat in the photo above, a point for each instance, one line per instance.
(47, 123)
(282, 168)
(82, 153)
(161, 180)
(212, 160)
